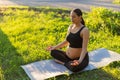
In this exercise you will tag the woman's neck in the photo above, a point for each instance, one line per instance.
(78, 25)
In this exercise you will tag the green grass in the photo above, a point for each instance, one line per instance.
(25, 32)
(116, 1)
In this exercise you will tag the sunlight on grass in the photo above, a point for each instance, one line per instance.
(116, 1)
(27, 31)
(113, 69)
(1, 73)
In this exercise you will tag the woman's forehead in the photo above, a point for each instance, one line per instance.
(72, 13)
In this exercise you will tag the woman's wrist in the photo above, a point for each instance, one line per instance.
(55, 47)
(79, 60)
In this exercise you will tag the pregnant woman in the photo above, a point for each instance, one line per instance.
(75, 58)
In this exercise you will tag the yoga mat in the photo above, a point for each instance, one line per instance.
(45, 69)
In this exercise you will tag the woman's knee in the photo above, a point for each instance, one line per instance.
(53, 52)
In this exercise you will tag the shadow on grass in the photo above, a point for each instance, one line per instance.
(45, 10)
(96, 74)
(10, 60)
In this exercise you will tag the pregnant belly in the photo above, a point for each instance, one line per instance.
(73, 52)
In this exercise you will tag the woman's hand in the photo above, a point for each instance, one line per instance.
(75, 63)
(50, 48)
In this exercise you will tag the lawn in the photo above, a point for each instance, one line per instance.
(25, 32)
(116, 1)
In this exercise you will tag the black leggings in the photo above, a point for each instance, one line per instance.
(61, 56)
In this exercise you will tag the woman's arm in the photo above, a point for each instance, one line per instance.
(62, 44)
(85, 36)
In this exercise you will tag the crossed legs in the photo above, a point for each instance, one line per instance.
(62, 58)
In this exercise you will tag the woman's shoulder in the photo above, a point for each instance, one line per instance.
(85, 30)
(70, 26)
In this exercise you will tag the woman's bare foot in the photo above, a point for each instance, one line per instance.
(59, 61)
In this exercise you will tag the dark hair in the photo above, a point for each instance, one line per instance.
(79, 13)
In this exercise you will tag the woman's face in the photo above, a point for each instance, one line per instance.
(75, 18)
